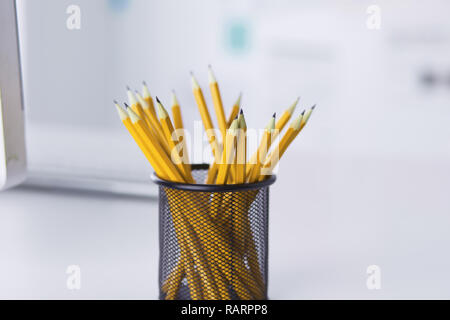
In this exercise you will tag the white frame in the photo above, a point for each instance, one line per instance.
(12, 122)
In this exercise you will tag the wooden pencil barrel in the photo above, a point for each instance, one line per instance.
(213, 239)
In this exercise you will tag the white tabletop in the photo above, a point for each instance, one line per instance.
(327, 225)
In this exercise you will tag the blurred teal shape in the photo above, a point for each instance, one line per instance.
(119, 5)
(237, 35)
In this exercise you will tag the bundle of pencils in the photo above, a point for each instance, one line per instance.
(202, 235)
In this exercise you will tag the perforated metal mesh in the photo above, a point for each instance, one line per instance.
(213, 245)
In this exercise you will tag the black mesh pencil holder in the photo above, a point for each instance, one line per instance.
(213, 239)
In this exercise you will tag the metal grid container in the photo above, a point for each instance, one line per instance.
(213, 239)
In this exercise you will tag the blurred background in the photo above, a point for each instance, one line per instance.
(366, 183)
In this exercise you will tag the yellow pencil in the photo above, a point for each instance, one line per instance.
(262, 150)
(290, 135)
(275, 156)
(172, 140)
(279, 126)
(228, 153)
(142, 109)
(148, 98)
(176, 112)
(241, 150)
(216, 249)
(214, 166)
(137, 107)
(217, 102)
(305, 119)
(149, 108)
(145, 106)
(159, 152)
(151, 157)
(208, 125)
(179, 126)
(284, 119)
(234, 110)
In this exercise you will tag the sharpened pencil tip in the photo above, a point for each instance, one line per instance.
(126, 105)
(313, 107)
(242, 111)
(157, 100)
(194, 82)
(274, 115)
(211, 77)
(115, 102)
(174, 98)
(293, 106)
(303, 113)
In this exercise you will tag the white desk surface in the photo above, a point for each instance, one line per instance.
(323, 236)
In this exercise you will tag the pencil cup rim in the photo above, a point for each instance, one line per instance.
(211, 187)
